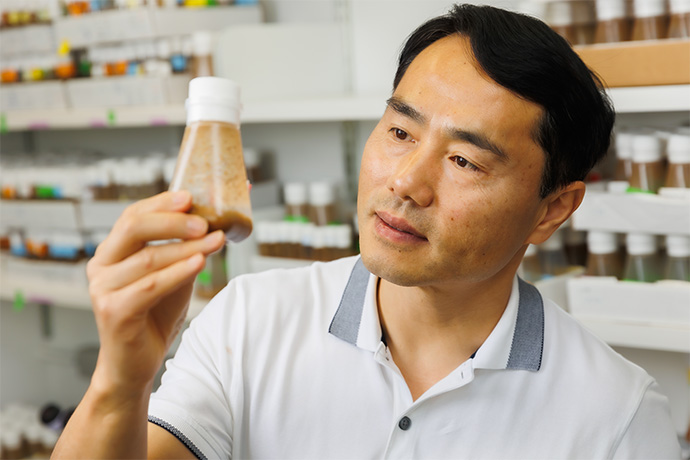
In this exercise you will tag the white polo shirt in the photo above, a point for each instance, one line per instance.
(289, 364)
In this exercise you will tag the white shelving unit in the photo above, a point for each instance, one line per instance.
(339, 108)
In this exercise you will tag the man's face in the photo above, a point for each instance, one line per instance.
(449, 183)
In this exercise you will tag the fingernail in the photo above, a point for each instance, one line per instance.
(212, 239)
(179, 197)
(196, 225)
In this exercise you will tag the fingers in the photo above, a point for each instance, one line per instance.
(153, 258)
(157, 218)
(140, 296)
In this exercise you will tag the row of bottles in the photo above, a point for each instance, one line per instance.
(583, 22)
(161, 57)
(314, 202)
(30, 432)
(19, 13)
(629, 257)
(651, 160)
(79, 7)
(301, 240)
(81, 177)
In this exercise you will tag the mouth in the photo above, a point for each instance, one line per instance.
(397, 228)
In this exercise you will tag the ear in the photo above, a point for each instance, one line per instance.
(556, 208)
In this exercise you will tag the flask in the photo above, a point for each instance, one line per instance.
(651, 20)
(552, 255)
(647, 164)
(677, 265)
(613, 24)
(603, 258)
(642, 262)
(210, 164)
(678, 171)
(679, 24)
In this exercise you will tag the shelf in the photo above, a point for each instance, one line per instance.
(60, 284)
(645, 99)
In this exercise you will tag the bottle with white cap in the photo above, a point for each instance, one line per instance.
(677, 266)
(210, 164)
(623, 170)
(613, 25)
(202, 50)
(678, 171)
(679, 26)
(642, 261)
(296, 204)
(552, 255)
(604, 257)
(647, 163)
(321, 203)
(651, 20)
(560, 18)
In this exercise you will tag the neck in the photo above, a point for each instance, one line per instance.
(431, 330)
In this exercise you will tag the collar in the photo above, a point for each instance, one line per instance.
(517, 341)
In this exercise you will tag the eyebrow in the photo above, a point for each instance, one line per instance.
(472, 137)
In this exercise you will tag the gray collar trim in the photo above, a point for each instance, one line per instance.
(528, 338)
(345, 323)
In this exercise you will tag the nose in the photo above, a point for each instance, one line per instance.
(413, 177)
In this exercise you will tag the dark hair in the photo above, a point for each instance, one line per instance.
(525, 56)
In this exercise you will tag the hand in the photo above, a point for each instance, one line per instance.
(140, 293)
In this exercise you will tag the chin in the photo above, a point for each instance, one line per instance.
(394, 272)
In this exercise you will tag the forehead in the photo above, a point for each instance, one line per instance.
(446, 83)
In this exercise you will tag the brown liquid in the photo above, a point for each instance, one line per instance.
(322, 215)
(612, 31)
(653, 28)
(605, 265)
(623, 169)
(210, 166)
(648, 177)
(678, 175)
(679, 26)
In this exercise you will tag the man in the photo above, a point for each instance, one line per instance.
(428, 346)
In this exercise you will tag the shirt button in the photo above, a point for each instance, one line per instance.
(405, 423)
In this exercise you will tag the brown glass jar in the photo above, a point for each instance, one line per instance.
(651, 20)
(613, 24)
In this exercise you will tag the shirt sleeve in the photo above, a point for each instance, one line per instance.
(650, 434)
(191, 402)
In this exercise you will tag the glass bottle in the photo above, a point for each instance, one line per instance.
(677, 266)
(530, 268)
(296, 207)
(678, 170)
(647, 164)
(623, 170)
(210, 164)
(560, 19)
(642, 260)
(202, 50)
(604, 257)
(651, 20)
(552, 255)
(613, 25)
(321, 203)
(679, 25)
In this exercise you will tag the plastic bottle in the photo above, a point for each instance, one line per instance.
(552, 255)
(647, 164)
(677, 266)
(613, 25)
(296, 207)
(678, 171)
(202, 50)
(642, 260)
(321, 203)
(651, 20)
(604, 256)
(623, 170)
(679, 24)
(210, 163)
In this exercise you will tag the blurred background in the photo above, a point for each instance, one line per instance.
(92, 115)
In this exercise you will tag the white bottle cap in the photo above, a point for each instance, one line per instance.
(319, 237)
(559, 13)
(344, 236)
(649, 8)
(624, 145)
(646, 148)
(213, 99)
(639, 244)
(602, 242)
(680, 6)
(321, 194)
(678, 149)
(251, 157)
(678, 245)
(202, 43)
(610, 9)
(295, 193)
(554, 243)
(307, 234)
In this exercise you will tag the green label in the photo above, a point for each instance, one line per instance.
(3, 123)
(112, 119)
(638, 190)
(19, 301)
(204, 278)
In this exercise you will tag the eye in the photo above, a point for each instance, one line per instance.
(400, 134)
(463, 163)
